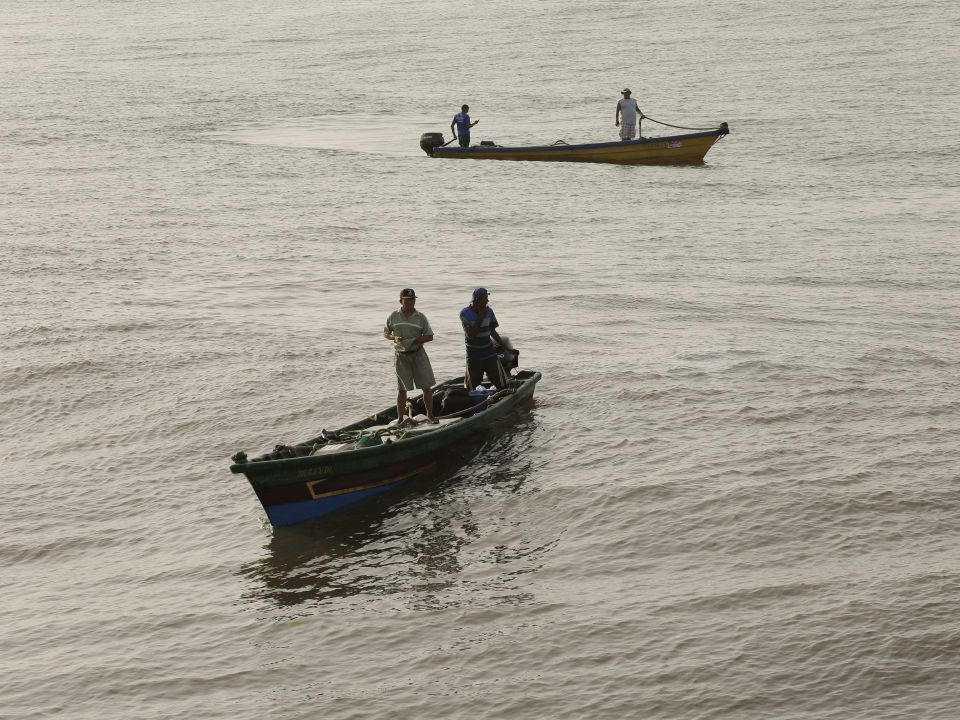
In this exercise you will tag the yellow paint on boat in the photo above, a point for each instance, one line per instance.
(678, 149)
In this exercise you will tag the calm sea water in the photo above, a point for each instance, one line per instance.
(736, 495)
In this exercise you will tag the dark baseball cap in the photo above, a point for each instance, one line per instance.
(407, 292)
(480, 293)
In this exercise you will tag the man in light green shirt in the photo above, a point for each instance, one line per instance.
(408, 329)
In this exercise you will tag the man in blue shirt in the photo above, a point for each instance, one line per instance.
(460, 127)
(480, 331)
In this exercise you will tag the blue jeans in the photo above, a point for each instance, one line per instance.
(464, 139)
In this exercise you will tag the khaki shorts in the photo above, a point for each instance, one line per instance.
(414, 370)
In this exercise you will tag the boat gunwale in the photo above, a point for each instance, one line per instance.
(369, 454)
(581, 146)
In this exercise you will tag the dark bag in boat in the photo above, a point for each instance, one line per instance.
(282, 452)
(455, 400)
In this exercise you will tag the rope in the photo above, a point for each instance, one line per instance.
(473, 408)
(343, 437)
(408, 423)
(678, 127)
(490, 399)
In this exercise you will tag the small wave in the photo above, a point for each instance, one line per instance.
(860, 389)
(777, 416)
(949, 408)
(762, 368)
(900, 357)
(62, 548)
(286, 41)
(70, 368)
(745, 598)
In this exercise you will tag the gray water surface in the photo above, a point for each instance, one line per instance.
(736, 495)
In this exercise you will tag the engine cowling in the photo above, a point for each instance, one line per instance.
(429, 141)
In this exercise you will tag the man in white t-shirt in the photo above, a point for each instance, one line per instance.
(626, 116)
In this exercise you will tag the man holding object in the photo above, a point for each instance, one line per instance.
(460, 127)
(408, 329)
(480, 332)
(626, 116)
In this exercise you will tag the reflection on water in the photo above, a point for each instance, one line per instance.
(417, 540)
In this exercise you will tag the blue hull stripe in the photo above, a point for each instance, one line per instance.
(290, 513)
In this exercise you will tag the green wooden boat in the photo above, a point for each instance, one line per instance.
(337, 469)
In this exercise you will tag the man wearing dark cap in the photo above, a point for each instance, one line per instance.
(480, 332)
(408, 329)
(626, 115)
(460, 127)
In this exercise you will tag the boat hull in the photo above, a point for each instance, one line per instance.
(295, 489)
(674, 150)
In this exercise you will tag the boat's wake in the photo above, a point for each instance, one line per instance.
(382, 135)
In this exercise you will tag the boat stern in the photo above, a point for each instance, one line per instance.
(431, 140)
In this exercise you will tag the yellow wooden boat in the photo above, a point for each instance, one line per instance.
(671, 150)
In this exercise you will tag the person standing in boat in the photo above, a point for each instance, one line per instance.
(408, 329)
(460, 127)
(480, 332)
(626, 115)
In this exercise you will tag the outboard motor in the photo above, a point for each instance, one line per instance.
(429, 141)
(508, 356)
